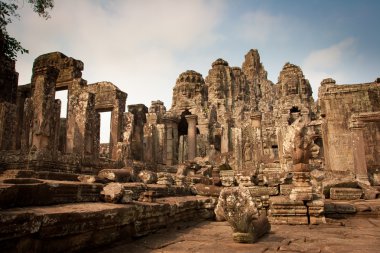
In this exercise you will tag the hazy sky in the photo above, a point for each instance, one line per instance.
(143, 45)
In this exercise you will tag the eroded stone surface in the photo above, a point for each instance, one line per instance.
(362, 234)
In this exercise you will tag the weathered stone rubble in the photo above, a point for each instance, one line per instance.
(296, 159)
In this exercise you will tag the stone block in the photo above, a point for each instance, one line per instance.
(257, 191)
(206, 190)
(338, 193)
(285, 189)
(301, 193)
(288, 220)
(339, 208)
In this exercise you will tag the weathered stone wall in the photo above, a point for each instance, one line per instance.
(338, 103)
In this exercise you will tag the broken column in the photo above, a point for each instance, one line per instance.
(192, 136)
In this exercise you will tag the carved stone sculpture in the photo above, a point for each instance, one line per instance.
(239, 208)
(301, 174)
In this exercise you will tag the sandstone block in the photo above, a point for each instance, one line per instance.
(337, 193)
(263, 190)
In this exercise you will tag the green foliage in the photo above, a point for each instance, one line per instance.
(8, 11)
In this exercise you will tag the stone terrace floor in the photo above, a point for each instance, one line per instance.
(356, 234)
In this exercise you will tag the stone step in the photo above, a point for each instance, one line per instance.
(20, 192)
(73, 227)
(60, 176)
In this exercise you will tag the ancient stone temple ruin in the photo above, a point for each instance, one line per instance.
(297, 160)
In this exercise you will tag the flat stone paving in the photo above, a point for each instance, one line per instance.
(356, 234)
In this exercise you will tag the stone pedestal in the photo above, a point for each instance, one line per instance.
(302, 189)
(316, 209)
(286, 211)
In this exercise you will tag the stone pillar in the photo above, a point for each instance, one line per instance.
(43, 83)
(80, 118)
(139, 119)
(237, 147)
(358, 150)
(160, 148)
(169, 142)
(192, 135)
(150, 137)
(257, 132)
(170, 125)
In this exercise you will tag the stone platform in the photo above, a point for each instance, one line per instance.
(73, 227)
(354, 235)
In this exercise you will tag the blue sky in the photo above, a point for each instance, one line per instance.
(142, 46)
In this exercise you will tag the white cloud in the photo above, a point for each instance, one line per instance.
(134, 44)
(333, 61)
(261, 26)
(131, 43)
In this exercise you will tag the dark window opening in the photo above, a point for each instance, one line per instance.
(294, 109)
(182, 125)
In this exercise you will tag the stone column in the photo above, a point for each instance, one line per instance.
(192, 135)
(117, 124)
(161, 146)
(80, 114)
(169, 140)
(358, 150)
(43, 83)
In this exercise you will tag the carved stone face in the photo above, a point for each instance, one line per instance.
(244, 180)
(292, 86)
(227, 180)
